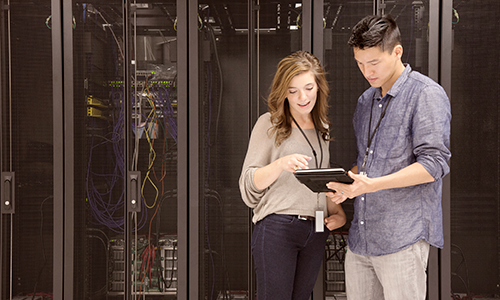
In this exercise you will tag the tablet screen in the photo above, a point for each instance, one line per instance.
(316, 179)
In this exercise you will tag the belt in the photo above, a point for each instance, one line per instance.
(305, 218)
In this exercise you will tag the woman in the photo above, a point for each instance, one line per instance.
(293, 135)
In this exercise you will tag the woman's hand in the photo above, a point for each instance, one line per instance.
(335, 221)
(336, 215)
(265, 176)
(294, 162)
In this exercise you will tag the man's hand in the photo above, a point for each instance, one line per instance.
(361, 185)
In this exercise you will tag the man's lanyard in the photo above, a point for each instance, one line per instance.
(371, 135)
(310, 145)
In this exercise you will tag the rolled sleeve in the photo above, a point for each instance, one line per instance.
(431, 131)
(249, 192)
(258, 155)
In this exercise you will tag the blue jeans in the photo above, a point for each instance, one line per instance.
(397, 276)
(287, 253)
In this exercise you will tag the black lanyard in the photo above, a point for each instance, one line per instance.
(310, 145)
(370, 134)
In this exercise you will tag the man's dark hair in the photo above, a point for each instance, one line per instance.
(374, 31)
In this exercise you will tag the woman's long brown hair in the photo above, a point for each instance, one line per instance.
(289, 67)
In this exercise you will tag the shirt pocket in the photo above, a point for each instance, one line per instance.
(394, 142)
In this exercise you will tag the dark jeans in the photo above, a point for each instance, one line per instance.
(288, 254)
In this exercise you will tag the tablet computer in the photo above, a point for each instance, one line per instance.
(316, 179)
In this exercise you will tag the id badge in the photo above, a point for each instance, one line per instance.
(320, 219)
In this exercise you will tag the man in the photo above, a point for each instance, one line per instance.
(402, 128)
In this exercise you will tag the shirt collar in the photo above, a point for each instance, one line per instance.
(397, 86)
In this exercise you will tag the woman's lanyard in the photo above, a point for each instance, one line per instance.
(310, 145)
(319, 214)
(370, 136)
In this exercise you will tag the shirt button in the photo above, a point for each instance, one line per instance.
(371, 151)
(380, 105)
(362, 198)
(362, 222)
